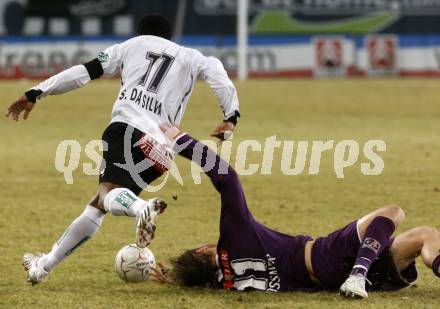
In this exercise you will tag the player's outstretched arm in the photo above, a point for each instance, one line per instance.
(70, 79)
(107, 64)
(221, 174)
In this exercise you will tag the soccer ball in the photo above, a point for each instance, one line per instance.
(134, 264)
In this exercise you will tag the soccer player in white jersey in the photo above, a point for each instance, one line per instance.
(157, 78)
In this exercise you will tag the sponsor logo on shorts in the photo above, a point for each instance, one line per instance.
(372, 244)
(125, 199)
(160, 157)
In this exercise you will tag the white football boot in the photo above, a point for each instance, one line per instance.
(354, 287)
(146, 221)
(35, 273)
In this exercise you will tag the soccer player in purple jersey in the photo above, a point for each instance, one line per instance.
(251, 256)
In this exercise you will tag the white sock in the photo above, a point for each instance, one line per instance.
(122, 202)
(82, 229)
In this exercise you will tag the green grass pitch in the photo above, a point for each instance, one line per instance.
(36, 205)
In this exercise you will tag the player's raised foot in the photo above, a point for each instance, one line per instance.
(354, 287)
(35, 273)
(146, 221)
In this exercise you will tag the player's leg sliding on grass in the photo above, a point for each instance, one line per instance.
(377, 237)
(82, 229)
(375, 230)
(249, 255)
(111, 198)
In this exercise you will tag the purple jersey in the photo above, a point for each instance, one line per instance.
(250, 255)
(253, 256)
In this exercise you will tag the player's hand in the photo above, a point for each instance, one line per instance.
(224, 131)
(172, 132)
(161, 274)
(22, 104)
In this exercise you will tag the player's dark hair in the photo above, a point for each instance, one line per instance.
(156, 25)
(192, 269)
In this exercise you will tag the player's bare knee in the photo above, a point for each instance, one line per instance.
(427, 233)
(394, 213)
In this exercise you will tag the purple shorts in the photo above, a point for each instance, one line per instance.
(333, 258)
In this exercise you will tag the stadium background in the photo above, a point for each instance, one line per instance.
(380, 41)
(287, 38)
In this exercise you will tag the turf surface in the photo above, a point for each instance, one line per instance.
(37, 205)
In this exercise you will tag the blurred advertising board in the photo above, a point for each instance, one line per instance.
(382, 54)
(329, 52)
(289, 56)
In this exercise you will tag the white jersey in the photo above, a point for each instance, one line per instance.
(157, 79)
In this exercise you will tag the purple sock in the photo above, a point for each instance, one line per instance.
(376, 239)
(436, 266)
